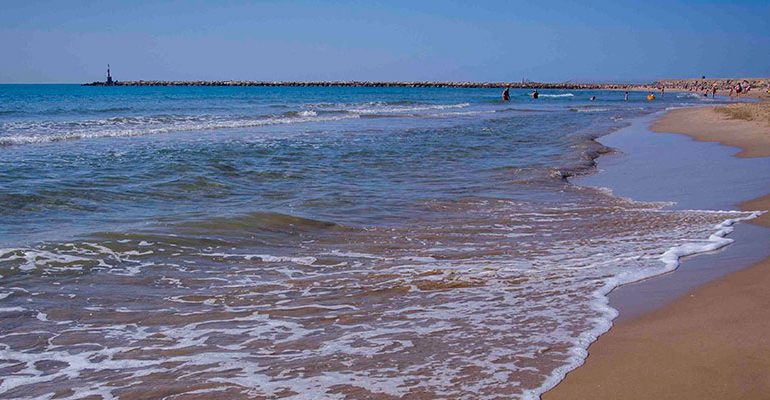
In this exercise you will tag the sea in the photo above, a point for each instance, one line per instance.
(316, 242)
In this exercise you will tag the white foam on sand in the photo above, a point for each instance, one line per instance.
(669, 261)
(238, 319)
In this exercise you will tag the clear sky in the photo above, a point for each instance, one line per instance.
(72, 41)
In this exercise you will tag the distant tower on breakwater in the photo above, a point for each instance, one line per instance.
(109, 77)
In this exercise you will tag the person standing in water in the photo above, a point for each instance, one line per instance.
(506, 94)
(626, 96)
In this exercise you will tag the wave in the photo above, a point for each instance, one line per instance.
(256, 221)
(101, 110)
(52, 131)
(33, 132)
(525, 110)
(96, 250)
(557, 95)
(459, 113)
(400, 107)
(266, 258)
(685, 95)
(66, 111)
(307, 113)
(391, 109)
(365, 104)
(588, 109)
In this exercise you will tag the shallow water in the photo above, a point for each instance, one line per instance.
(313, 242)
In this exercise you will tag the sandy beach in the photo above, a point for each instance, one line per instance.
(711, 343)
(746, 126)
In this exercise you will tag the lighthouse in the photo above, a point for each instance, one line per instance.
(109, 77)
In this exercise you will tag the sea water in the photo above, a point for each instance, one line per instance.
(305, 243)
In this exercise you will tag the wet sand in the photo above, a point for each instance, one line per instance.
(711, 343)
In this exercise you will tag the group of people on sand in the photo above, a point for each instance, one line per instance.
(739, 88)
(709, 87)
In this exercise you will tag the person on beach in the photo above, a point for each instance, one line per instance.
(713, 92)
(506, 94)
(731, 92)
(626, 96)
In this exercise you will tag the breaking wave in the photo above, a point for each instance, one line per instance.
(52, 131)
(31, 132)
(557, 95)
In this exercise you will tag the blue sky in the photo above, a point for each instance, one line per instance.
(71, 41)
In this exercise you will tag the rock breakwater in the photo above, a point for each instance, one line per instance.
(416, 84)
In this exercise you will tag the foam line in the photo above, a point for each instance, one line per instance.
(670, 260)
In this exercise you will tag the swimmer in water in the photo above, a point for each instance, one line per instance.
(535, 94)
(506, 95)
(593, 98)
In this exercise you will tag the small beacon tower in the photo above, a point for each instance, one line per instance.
(109, 77)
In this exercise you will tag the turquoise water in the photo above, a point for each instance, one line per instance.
(305, 242)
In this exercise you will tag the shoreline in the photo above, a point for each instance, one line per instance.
(687, 348)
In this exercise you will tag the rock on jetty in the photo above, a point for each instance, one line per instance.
(423, 84)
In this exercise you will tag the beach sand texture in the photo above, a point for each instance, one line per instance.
(713, 343)
(746, 126)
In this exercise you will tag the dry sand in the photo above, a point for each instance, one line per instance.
(745, 125)
(713, 343)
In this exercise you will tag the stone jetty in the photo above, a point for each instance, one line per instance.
(672, 84)
(412, 84)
